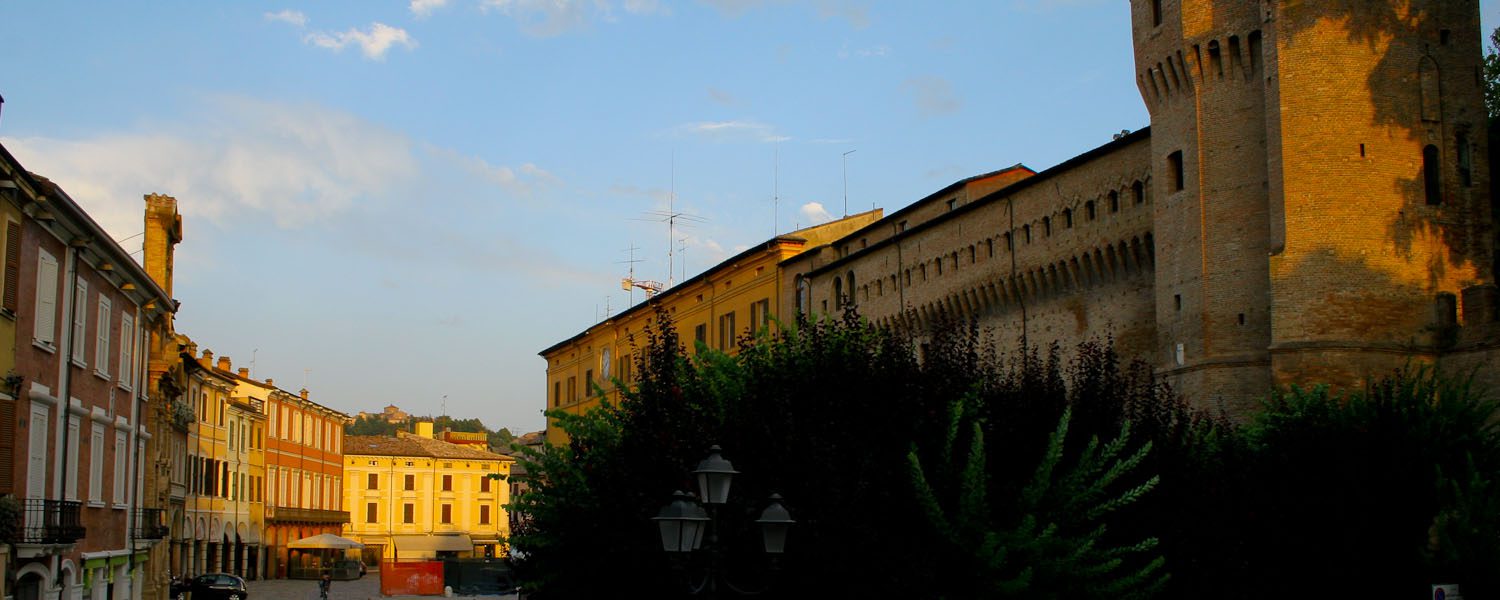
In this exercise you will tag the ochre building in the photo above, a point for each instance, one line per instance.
(413, 497)
(716, 307)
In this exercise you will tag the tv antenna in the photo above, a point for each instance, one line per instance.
(671, 217)
(629, 283)
(776, 191)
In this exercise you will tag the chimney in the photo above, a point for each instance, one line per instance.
(163, 232)
(270, 382)
(224, 363)
(245, 372)
(208, 358)
(304, 393)
(191, 348)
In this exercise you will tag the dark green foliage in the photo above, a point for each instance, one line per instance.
(1492, 76)
(371, 426)
(1055, 545)
(1349, 488)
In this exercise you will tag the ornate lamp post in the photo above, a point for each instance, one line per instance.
(684, 521)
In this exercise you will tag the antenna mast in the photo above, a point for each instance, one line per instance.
(629, 283)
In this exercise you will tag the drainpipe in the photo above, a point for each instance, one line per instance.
(65, 372)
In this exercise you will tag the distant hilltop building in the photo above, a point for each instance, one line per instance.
(391, 414)
(1311, 203)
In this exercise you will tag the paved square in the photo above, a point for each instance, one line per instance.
(365, 588)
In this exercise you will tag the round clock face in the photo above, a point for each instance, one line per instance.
(605, 362)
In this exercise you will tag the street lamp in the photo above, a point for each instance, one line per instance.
(683, 522)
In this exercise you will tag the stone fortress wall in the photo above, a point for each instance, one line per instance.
(1311, 203)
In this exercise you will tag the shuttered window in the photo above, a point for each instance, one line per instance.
(127, 351)
(46, 300)
(8, 445)
(12, 265)
(120, 475)
(80, 319)
(101, 343)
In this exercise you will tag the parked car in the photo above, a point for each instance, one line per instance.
(215, 586)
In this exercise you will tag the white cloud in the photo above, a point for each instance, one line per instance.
(423, 8)
(293, 165)
(933, 95)
(288, 16)
(856, 14)
(646, 7)
(880, 51)
(731, 131)
(815, 213)
(373, 43)
(545, 18)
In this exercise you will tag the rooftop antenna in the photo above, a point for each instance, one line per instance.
(629, 283)
(682, 249)
(252, 360)
(671, 217)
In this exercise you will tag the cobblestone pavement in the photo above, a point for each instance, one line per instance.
(365, 588)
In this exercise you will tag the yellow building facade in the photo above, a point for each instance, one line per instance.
(731, 299)
(413, 497)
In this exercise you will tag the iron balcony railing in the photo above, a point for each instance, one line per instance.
(150, 524)
(51, 522)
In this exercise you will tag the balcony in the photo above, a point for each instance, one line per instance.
(150, 524)
(51, 522)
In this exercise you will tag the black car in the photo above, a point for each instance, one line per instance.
(212, 586)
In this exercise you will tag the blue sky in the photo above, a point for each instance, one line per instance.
(394, 202)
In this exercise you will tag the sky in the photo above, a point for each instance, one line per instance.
(404, 201)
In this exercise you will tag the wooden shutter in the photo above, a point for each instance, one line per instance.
(8, 444)
(46, 299)
(12, 265)
(80, 318)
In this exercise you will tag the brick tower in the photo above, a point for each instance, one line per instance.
(1321, 170)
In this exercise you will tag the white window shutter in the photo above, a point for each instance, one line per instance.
(80, 318)
(127, 350)
(101, 345)
(120, 475)
(46, 299)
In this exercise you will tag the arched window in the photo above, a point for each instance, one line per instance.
(1138, 193)
(1046, 226)
(838, 292)
(1088, 210)
(852, 287)
(804, 295)
(1114, 201)
(1067, 218)
(1026, 229)
(1432, 177)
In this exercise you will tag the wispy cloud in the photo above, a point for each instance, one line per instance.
(880, 51)
(815, 213)
(731, 131)
(373, 43)
(288, 16)
(933, 95)
(292, 164)
(545, 18)
(855, 13)
(646, 7)
(423, 8)
(721, 96)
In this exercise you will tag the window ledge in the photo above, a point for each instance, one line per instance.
(8, 313)
(47, 347)
(119, 506)
(96, 504)
(125, 387)
(101, 374)
(78, 362)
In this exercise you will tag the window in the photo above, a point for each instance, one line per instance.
(120, 456)
(1432, 177)
(45, 325)
(447, 514)
(606, 358)
(588, 383)
(852, 287)
(726, 331)
(760, 313)
(372, 512)
(1138, 193)
(572, 390)
(101, 344)
(1088, 210)
(1026, 229)
(411, 483)
(96, 465)
(1067, 218)
(700, 333)
(80, 318)
(952, 203)
(557, 393)
(484, 484)
(804, 295)
(1174, 166)
(447, 483)
(408, 513)
(484, 514)
(12, 265)
(1114, 201)
(1046, 226)
(372, 481)
(838, 292)
(1155, 13)
(127, 351)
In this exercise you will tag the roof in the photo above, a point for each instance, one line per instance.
(763, 247)
(380, 445)
(974, 204)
